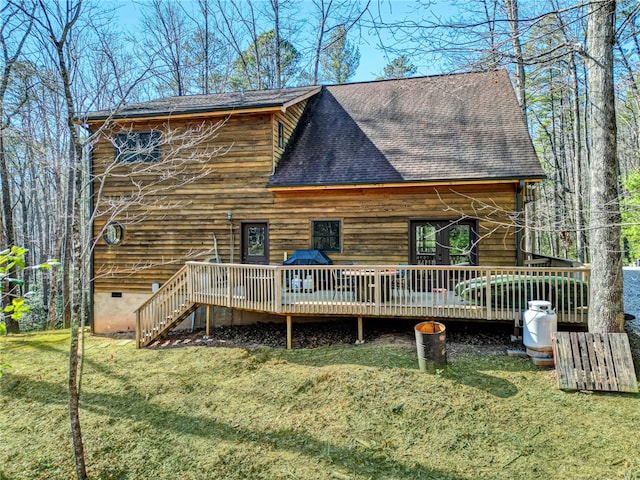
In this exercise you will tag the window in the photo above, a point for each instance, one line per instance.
(138, 146)
(113, 234)
(325, 235)
(280, 135)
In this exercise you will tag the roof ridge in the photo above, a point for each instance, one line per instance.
(420, 77)
(235, 92)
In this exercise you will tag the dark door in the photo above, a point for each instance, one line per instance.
(443, 242)
(255, 243)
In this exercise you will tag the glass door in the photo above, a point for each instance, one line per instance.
(441, 242)
(255, 243)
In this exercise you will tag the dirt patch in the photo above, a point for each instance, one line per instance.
(461, 338)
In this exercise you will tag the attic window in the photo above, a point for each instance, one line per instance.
(325, 235)
(280, 135)
(138, 146)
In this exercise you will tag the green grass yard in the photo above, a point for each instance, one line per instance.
(343, 412)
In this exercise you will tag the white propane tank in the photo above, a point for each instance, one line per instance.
(539, 322)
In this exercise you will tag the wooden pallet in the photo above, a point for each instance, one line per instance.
(594, 361)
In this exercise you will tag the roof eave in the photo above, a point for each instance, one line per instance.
(265, 107)
(423, 183)
(182, 114)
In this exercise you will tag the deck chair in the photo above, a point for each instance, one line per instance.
(341, 284)
(401, 285)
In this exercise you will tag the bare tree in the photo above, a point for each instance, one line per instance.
(209, 57)
(55, 27)
(237, 24)
(577, 144)
(330, 15)
(14, 31)
(168, 33)
(516, 42)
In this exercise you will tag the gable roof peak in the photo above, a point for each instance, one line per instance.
(454, 127)
(434, 77)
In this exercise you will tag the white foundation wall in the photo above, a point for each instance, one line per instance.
(116, 314)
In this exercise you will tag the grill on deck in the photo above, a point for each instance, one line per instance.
(305, 280)
(308, 257)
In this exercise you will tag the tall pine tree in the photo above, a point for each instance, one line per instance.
(339, 58)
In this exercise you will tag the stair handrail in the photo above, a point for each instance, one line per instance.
(173, 296)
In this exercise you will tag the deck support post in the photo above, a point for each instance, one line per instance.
(209, 319)
(516, 327)
(360, 332)
(289, 331)
(138, 332)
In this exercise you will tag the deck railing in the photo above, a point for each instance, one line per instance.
(446, 292)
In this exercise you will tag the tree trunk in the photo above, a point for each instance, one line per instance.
(275, 5)
(605, 308)
(578, 190)
(74, 404)
(512, 15)
(9, 235)
(67, 249)
(577, 166)
(73, 248)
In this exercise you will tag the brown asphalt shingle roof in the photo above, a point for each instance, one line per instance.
(206, 103)
(440, 128)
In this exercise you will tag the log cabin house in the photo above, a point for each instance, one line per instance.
(424, 173)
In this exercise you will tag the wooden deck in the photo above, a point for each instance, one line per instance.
(436, 292)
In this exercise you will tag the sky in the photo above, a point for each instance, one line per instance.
(372, 58)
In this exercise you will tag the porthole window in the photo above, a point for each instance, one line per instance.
(113, 234)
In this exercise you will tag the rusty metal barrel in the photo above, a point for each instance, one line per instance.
(431, 345)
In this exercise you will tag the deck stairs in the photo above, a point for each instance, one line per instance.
(169, 306)
(166, 325)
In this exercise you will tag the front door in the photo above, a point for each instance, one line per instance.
(443, 242)
(255, 243)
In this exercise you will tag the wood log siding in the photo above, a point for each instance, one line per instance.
(289, 120)
(375, 221)
(156, 248)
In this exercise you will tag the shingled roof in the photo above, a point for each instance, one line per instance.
(428, 129)
(194, 104)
